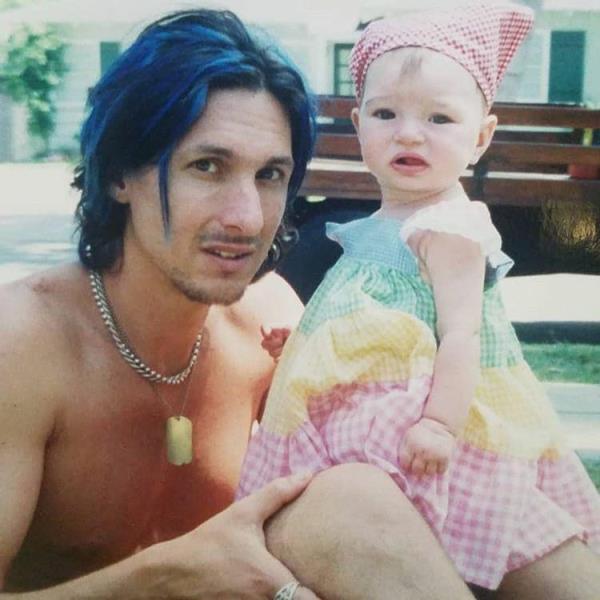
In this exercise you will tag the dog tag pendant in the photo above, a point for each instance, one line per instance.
(179, 440)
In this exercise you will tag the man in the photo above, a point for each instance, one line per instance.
(129, 383)
(84, 475)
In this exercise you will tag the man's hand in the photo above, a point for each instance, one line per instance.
(274, 339)
(226, 557)
(426, 448)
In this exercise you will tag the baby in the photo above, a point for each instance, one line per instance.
(405, 358)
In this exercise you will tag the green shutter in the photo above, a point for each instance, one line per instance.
(567, 57)
(108, 52)
(342, 82)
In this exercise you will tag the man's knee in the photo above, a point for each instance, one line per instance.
(347, 505)
(353, 534)
(353, 491)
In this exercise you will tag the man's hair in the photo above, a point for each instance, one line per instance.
(152, 95)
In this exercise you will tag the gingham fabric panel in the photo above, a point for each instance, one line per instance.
(512, 415)
(395, 347)
(500, 516)
(378, 268)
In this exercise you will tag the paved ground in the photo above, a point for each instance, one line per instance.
(579, 407)
(36, 228)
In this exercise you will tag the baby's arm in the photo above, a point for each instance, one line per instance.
(274, 339)
(455, 267)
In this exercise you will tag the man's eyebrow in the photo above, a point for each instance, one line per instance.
(209, 149)
(283, 161)
(214, 150)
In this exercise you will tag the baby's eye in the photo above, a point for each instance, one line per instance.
(440, 119)
(384, 113)
(206, 165)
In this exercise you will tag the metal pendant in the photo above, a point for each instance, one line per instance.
(179, 440)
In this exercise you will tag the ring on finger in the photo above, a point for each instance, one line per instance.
(287, 592)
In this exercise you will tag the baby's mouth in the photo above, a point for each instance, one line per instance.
(410, 161)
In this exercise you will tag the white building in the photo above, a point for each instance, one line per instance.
(555, 64)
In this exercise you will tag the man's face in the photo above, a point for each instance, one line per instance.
(227, 188)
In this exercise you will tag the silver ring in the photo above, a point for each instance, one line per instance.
(287, 592)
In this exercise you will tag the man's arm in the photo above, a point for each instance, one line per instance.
(26, 423)
(223, 558)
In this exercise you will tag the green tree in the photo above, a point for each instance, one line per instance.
(8, 4)
(33, 66)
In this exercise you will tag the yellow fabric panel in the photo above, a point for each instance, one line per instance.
(512, 415)
(395, 347)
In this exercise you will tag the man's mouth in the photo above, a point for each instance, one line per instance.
(228, 255)
(229, 250)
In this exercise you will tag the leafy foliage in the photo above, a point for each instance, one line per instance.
(33, 66)
(7, 4)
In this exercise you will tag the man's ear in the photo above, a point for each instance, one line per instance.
(119, 192)
(355, 117)
(486, 132)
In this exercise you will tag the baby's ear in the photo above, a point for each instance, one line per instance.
(355, 117)
(486, 133)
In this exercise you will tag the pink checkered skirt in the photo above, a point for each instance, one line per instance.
(492, 513)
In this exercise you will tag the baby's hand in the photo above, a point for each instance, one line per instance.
(274, 339)
(426, 448)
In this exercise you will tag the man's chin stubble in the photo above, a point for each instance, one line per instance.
(196, 293)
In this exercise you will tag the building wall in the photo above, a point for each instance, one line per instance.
(83, 57)
(309, 35)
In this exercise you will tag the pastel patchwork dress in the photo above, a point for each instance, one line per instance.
(356, 373)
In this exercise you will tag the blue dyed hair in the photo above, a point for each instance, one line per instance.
(153, 94)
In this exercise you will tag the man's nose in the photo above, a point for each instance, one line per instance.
(408, 131)
(242, 210)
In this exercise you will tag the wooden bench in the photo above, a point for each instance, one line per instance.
(526, 164)
(523, 177)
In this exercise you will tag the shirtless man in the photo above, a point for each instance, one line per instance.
(84, 476)
(195, 140)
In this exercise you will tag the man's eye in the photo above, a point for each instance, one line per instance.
(384, 114)
(440, 119)
(205, 165)
(270, 174)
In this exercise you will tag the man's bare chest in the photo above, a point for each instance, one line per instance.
(108, 489)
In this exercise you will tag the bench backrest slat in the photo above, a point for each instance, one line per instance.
(531, 115)
(336, 145)
(537, 165)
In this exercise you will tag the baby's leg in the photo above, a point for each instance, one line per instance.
(571, 571)
(353, 535)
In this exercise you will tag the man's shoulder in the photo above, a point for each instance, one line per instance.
(37, 311)
(39, 329)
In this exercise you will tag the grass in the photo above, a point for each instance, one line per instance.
(573, 363)
(578, 363)
(592, 466)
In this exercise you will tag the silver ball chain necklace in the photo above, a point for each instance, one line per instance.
(178, 427)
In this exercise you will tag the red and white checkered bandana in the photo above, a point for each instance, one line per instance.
(482, 37)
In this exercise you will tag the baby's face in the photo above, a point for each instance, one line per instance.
(422, 120)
